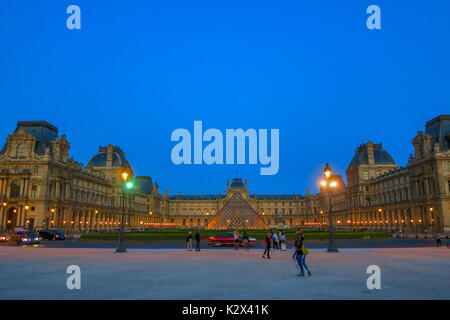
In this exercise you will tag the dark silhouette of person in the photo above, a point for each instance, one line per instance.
(267, 241)
(197, 240)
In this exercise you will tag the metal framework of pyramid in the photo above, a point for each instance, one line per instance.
(237, 214)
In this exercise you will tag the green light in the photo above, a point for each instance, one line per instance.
(129, 185)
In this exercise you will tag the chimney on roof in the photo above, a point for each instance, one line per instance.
(370, 154)
(109, 155)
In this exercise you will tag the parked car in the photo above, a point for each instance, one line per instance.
(227, 239)
(26, 237)
(4, 237)
(59, 235)
(46, 234)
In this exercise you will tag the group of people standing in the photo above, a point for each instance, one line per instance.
(274, 241)
(438, 240)
(189, 241)
(236, 240)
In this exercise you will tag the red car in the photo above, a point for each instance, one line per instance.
(228, 239)
(4, 238)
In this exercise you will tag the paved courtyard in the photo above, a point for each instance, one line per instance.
(40, 273)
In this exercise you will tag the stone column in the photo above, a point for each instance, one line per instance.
(5, 187)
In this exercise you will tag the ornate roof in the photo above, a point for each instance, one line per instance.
(439, 128)
(196, 197)
(237, 183)
(43, 131)
(143, 184)
(380, 155)
(277, 197)
(99, 159)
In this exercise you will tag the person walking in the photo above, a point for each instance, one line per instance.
(282, 241)
(301, 254)
(189, 241)
(438, 240)
(197, 241)
(447, 242)
(267, 243)
(275, 241)
(236, 240)
(245, 240)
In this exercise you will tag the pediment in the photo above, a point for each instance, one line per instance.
(21, 134)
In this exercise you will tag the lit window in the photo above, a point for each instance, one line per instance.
(19, 150)
(366, 175)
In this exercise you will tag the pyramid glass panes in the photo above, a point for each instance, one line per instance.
(237, 214)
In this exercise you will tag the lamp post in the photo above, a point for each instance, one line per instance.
(151, 213)
(432, 218)
(126, 185)
(2, 226)
(327, 184)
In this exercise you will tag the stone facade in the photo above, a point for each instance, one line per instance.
(286, 210)
(41, 187)
(380, 195)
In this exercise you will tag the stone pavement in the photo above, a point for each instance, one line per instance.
(40, 273)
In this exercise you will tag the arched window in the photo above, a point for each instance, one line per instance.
(19, 151)
(15, 189)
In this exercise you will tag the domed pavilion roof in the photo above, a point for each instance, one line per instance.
(99, 159)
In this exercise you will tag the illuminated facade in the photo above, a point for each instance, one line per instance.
(380, 195)
(41, 187)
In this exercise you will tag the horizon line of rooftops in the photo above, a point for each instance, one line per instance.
(45, 133)
(222, 196)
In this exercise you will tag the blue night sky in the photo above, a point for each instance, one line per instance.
(137, 70)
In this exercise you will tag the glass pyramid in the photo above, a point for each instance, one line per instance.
(237, 214)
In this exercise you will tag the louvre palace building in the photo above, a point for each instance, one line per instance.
(42, 187)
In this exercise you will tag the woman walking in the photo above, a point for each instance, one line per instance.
(282, 241)
(189, 241)
(447, 242)
(245, 240)
(236, 240)
(301, 254)
(267, 243)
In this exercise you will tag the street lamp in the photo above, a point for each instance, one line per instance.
(432, 218)
(127, 185)
(327, 184)
(379, 216)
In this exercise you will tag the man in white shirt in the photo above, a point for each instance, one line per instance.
(275, 241)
